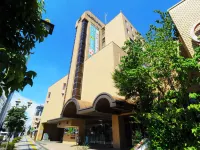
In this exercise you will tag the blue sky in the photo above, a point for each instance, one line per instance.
(51, 58)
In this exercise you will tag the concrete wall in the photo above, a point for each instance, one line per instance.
(98, 72)
(54, 104)
(76, 47)
(115, 31)
(185, 14)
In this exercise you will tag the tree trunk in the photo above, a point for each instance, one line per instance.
(10, 135)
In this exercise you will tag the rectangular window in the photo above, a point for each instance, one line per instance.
(127, 31)
(131, 28)
(64, 86)
(126, 23)
(103, 32)
(131, 40)
(49, 94)
(103, 42)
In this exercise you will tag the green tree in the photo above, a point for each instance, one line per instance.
(20, 29)
(160, 80)
(15, 120)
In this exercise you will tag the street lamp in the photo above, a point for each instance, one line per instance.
(49, 26)
(19, 101)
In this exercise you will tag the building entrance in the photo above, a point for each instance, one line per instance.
(98, 132)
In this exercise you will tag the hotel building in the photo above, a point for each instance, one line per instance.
(86, 98)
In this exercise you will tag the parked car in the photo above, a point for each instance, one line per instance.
(4, 134)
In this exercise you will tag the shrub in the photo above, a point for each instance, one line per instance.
(16, 140)
(1, 138)
(11, 146)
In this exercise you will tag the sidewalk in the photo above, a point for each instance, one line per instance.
(27, 143)
(22, 145)
(49, 145)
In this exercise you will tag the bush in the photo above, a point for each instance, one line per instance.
(11, 146)
(1, 138)
(17, 139)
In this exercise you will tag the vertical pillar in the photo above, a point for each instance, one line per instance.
(118, 131)
(82, 131)
(40, 132)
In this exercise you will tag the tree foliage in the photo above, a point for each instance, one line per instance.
(154, 71)
(15, 120)
(20, 29)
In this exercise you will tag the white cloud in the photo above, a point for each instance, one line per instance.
(30, 112)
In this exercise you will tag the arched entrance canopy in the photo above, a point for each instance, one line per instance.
(103, 103)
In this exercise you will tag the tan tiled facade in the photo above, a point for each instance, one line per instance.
(185, 15)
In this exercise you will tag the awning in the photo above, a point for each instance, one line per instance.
(56, 120)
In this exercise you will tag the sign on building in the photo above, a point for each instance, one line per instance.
(94, 41)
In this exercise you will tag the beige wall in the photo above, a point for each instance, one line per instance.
(98, 72)
(54, 104)
(132, 31)
(185, 14)
(115, 31)
(76, 47)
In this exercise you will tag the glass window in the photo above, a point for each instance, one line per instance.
(49, 94)
(133, 36)
(103, 32)
(131, 28)
(103, 42)
(127, 31)
(126, 22)
(64, 86)
(131, 40)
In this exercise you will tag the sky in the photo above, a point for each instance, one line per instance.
(51, 58)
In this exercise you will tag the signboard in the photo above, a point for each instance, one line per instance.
(94, 41)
